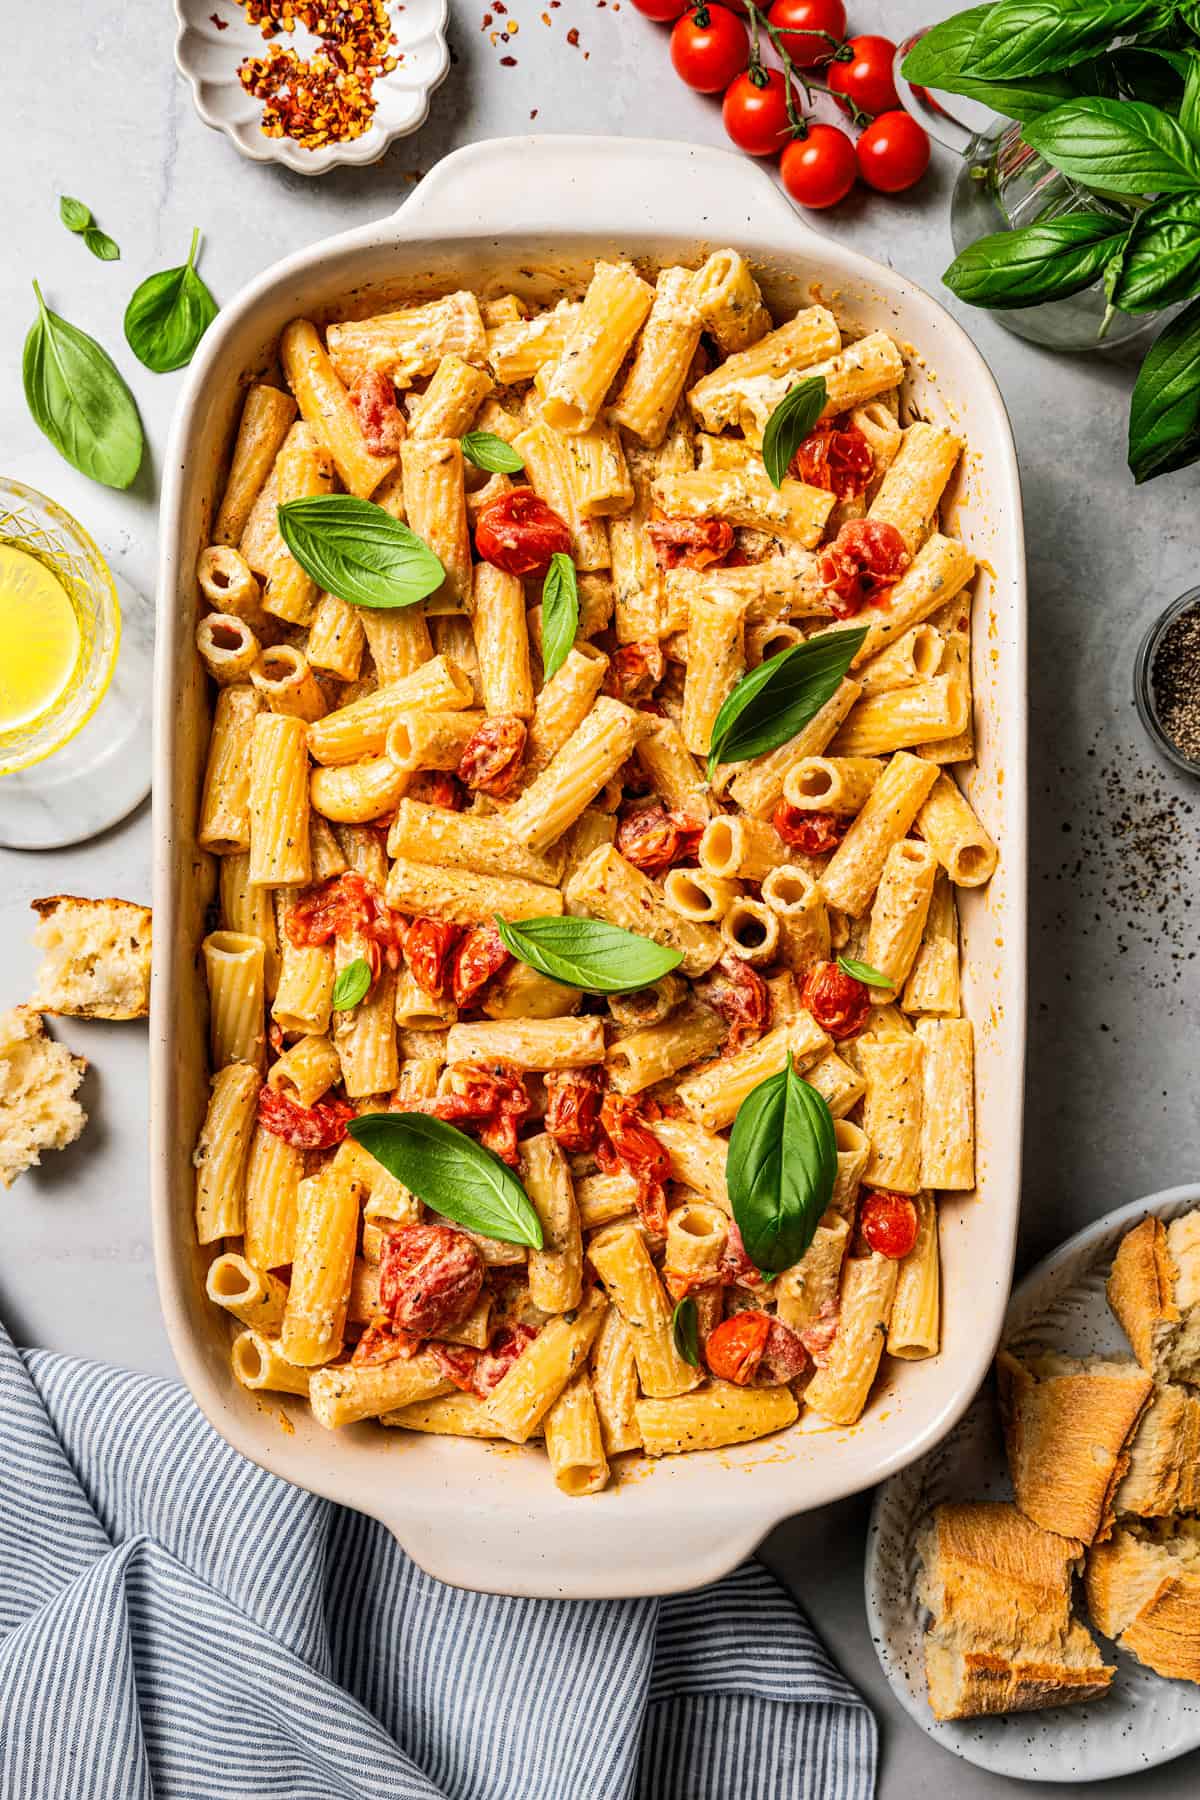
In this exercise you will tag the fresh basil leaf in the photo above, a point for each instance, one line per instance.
(560, 612)
(863, 972)
(451, 1173)
(776, 700)
(104, 248)
(1148, 72)
(941, 59)
(1029, 37)
(487, 451)
(1164, 413)
(73, 213)
(782, 1165)
(790, 424)
(588, 953)
(168, 315)
(1122, 146)
(352, 985)
(356, 550)
(79, 399)
(1046, 261)
(685, 1331)
(1162, 262)
(1189, 106)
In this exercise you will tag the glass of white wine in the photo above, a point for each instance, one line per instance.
(61, 778)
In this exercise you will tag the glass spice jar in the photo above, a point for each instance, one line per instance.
(1166, 682)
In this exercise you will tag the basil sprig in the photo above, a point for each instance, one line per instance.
(776, 700)
(352, 985)
(1026, 37)
(79, 399)
(451, 1173)
(1120, 146)
(1164, 413)
(74, 214)
(1046, 261)
(588, 953)
(560, 612)
(863, 972)
(790, 424)
(356, 550)
(169, 314)
(492, 453)
(685, 1331)
(1161, 261)
(782, 1165)
(941, 59)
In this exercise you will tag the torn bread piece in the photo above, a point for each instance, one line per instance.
(97, 961)
(38, 1078)
(1002, 1637)
(1154, 1290)
(1164, 1457)
(1143, 1591)
(1067, 1426)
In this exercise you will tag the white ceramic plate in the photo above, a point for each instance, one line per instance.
(1143, 1720)
(210, 57)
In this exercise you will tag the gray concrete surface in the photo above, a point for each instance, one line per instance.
(90, 105)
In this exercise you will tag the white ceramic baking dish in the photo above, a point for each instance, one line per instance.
(529, 214)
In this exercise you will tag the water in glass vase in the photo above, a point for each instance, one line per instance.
(39, 638)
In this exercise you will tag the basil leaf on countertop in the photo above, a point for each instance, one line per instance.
(940, 59)
(1161, 264)
(560, 612)
(168, 315)
(1121, 146)
(102, 247)
(790, 424)
(489, 452)
(1046, 261)
(685, 1331)
(776, 700)
(1029, 37)
(356, 550)
(782, 1164)
(352, 985)
(1164, 413)
(74, 214)
(79, 399)
(863, 972)
(588, 953)
(451, 1173)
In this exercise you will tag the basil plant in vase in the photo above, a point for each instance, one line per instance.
(1097, 178)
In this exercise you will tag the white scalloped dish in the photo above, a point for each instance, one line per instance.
(214, 37)
(1143, 1720)
(531, 215)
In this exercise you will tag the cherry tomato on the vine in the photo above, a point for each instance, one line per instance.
(818, 170)
(661, 10)
(863, 75)
(893, 152)
(708, 48)
(755, 112)
(800, 24)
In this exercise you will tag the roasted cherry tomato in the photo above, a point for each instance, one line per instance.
(429, 947)
(690, 543)
(661, 11)
(708, 48)
(519, 533)
(347, 906)
(815, 833)
(492, 1096)
(735, 1349)
(836, 457)
(893, 152)
(380, 420)
(629, 1145)
(818, 169)
(634, 671)
(316, 1127)
(491, 762)
(840, 1003)
(754, 112)
(888, 1223)
(742, 998)
(653, 839)
(429, 1277)
(573, 1107)
(861, 73)
(806, 27)
(863, 562)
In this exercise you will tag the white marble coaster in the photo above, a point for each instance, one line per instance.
(104, 772)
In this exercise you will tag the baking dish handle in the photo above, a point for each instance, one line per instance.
(528, 184)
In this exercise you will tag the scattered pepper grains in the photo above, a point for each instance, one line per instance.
(327, 97)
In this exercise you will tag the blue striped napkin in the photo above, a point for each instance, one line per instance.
(175, 1624)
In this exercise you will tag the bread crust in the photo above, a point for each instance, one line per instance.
(97, 963)
(1164, 1457)
(1140, 1288)
(1067, 1429)
(38, 1079)
(1144, 1593)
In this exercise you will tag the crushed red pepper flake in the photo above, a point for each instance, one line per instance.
(221, 24)
(326, 97)
(573, 37)
(508, 62)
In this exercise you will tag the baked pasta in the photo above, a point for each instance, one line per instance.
(407, 797)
